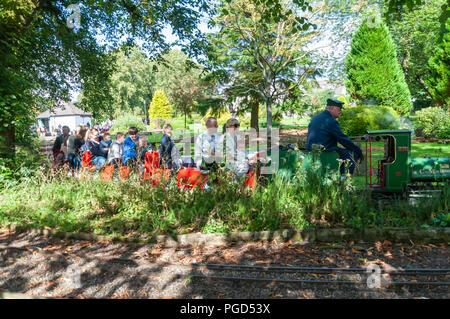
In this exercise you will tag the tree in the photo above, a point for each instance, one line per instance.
(43, 56)
(416, 35)
(262, 54)
(160, 108)
(185, 92)
(181, 79)
(439, 79)
(373, 70)
(132, 83)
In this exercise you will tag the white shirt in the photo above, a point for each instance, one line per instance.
(236, 160)
(204, 144)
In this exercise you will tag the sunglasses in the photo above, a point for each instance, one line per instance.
(235, 125)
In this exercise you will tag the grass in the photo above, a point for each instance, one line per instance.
(430, 150)
(134, 208)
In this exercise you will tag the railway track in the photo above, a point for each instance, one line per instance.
(323, 275)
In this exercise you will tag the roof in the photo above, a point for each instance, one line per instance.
(64, 109)
(389, 131)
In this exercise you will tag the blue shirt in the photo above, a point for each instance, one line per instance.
(129, 149)
(325, 130)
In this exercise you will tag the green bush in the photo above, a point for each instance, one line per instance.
(433, 122)
(356, 121)
(123, 122)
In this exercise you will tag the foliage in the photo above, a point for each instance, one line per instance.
(416, 34)
(433, 122)
(132, 82)
(181, 79)
(160, 108)
(442, 220)
(259, 57)
(373, 71)
(355, 121)
(124, 121)
(42, 58)
(134, 208)
(439, 78)
(221, 116)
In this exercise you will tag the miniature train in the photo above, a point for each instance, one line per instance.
(396, 172)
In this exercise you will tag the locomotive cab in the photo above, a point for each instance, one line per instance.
(391, 172)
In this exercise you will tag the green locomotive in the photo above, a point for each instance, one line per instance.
(394, 173)
(397, 170)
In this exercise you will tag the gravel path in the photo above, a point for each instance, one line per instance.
(53, 267)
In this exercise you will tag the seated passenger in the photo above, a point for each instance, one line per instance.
(206, 146)
(143, 148)
(74, 145)
(130, 148)
(60, 147)
(233, 151)
(98, 153)
(106, 140)
(115, 154)
(325, 130)
(168, 153)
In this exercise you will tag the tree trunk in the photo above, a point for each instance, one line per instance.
(254, 120)
(269, 121)
(7, 142)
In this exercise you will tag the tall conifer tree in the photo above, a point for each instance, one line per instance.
(373, 71)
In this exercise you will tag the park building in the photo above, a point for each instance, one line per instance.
(64, 114)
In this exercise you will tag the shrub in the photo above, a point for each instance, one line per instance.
(433, 122)
(222, 117)
(160, 109)
(357, 120)
(123, 122)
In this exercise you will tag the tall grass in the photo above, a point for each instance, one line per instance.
(133, 207)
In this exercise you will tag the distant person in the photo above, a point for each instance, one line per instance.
(206, 146)
(60, 147)
(325, 130)
(130, 147)
(74, 146)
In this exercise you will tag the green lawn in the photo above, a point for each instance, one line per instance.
(430, 150)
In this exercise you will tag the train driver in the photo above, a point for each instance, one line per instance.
(325, 130)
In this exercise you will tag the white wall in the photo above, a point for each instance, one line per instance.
(69, 121)
(83, 120)
(72, 121)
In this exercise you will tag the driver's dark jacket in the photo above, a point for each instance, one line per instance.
(325, 130)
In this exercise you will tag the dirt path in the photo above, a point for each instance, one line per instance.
(79, 269)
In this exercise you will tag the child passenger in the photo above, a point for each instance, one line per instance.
(115, 155)
(106, 141)
(130, 147)
(143, 148)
